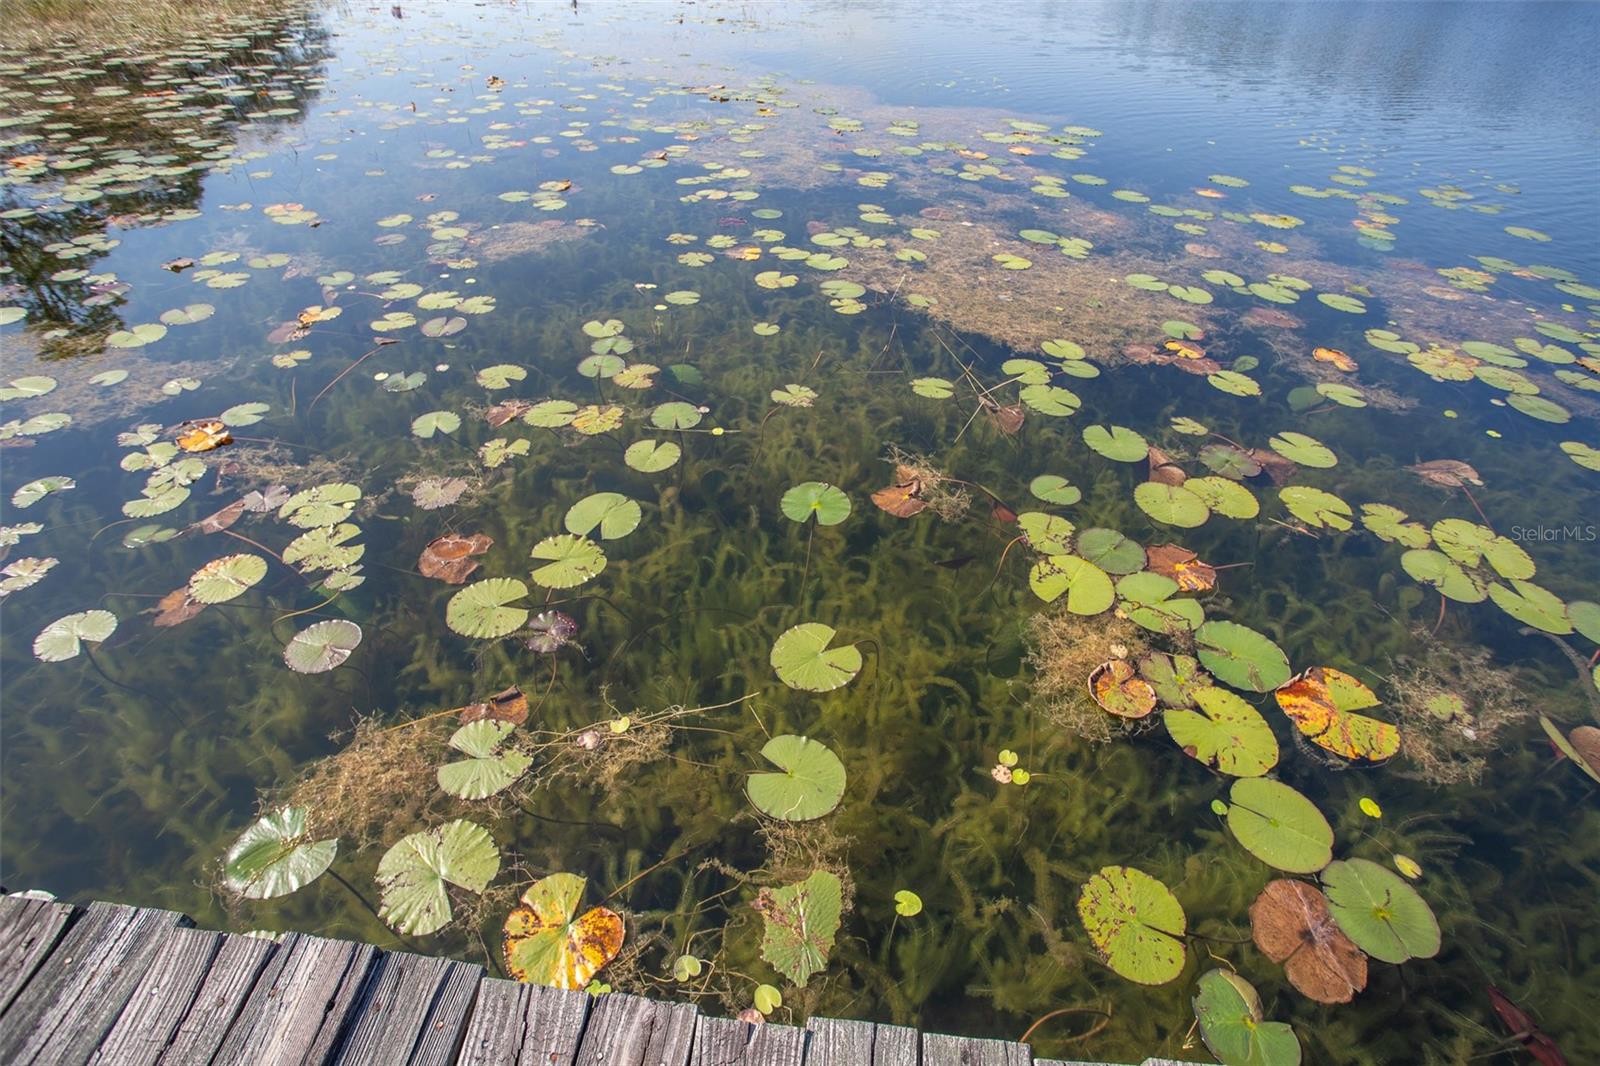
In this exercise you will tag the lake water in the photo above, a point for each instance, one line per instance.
(1174, 426)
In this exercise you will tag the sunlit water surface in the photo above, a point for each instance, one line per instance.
(823, 202)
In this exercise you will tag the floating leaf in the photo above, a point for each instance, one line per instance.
(1233, 1026)
(1440, 571)
(1316, 508)
(1173, 505)
(810, 786)
(1304, 450)
(612, 513)
(1089, 589)
(1135, 923)
(800, 921)
(1320, 702)
(907, 904)
(1241, 657)
(1290, 923)
(449, 558)
(412, 875)
(1226, 733)
(803, 660)
(1532, 605)
(1380, 912)
(1111, 551)
(322, 646)
(63, 639)
(1279, 826)
(827, 503)
(652, 456)
(480, 610)
(571, 560)
(276, 856)
(1053, 488)
(546, 942)
(1119, 692)
(427, 425)
(1118, 443)
(222, 579)
(488, 769)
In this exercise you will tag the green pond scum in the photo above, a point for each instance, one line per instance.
(1084, 524)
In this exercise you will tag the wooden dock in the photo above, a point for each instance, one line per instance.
(111, 985)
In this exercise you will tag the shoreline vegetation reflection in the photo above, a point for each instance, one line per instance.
(642, 504)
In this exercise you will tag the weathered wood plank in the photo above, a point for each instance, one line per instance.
(29, 929)
(299, 1009)
(938, 1050)
(626, 1030)
(494, 1031)
(411, 1012)
(77, 993)
(160, 1000)
(835, 1042)
(729, 1042)
(227, 985)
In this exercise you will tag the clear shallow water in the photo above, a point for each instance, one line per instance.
(127, 775)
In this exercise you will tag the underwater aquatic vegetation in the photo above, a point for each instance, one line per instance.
(546, 942)
(1454, 705)
(1062, 650)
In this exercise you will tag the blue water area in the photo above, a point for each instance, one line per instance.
(1041, 519)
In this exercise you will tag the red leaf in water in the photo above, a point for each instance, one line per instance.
(449, 558)
(1007, 419)
(508, 706)
(1446, 473)
(1182, 565)
(216, 523)
(176, 608)
(900, 500)
(1525, 1030)
(1001, 513)
(1164, 470)
(1279, 469)
(501, 413)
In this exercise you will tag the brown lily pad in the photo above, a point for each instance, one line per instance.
(1119, 692)
(450, 557)
(1291, 924)
(508, 706)
(220, 520)
(1446, 473)
(176, 607)
(1183, 566)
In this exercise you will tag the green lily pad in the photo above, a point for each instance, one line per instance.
(803, 660)
(1177, 679)
(933, 388)
(1532, 605)
(1471, 544)
(427, 425)
(413, 874)
(1052, 400)
(1389, 523)
(63, 639)
(675, 415)
(36, 490)
(275, 856)
(1241, 657)
(1151, 600)
(612, 513)
(1135, 923)
(1443, 573)
(27, 387)
(501, 375)
(322, 646)
(1279, 826)
(1088, 588)
(1111, 551)
(1232, 1024)
(1172, 505)
(1340, 302)
(1053, 488)
(1383, 915)
(1118, 443)
(480, 610)
(551, 414)
(652, 456)
(799, 924)
(1226, 733)
(1048, 534)
(222, 579)
(1224, 497)
(1316, 508)
(827, 503)
(1304, 450)
(810, 785)
(488, 769)
(571, 560)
